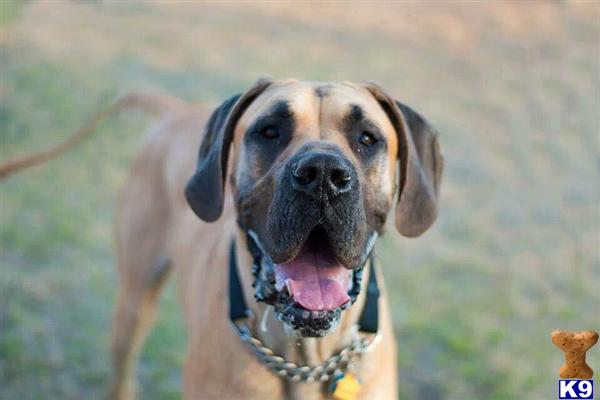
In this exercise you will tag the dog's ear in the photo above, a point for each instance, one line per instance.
(421, 165)
(205, 190)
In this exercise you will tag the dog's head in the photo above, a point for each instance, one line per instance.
(315, 175)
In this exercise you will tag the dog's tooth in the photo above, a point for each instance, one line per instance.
(305, 314)
(280, 286)
(351, 280)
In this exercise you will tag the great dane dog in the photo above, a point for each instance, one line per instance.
(314, 169)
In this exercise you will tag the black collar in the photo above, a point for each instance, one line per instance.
(369, 319)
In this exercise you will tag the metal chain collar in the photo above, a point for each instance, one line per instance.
(339, 362)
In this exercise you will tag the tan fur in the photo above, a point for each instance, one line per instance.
(155, 224)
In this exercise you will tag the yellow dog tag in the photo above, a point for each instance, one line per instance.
(346, 388)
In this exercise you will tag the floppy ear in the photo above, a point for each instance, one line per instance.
(421, 165)
(205, 190)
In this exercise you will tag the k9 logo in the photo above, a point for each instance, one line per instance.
(575, 389)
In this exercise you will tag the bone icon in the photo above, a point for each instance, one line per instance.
(575, 344)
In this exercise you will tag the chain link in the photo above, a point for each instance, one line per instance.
(338, 362)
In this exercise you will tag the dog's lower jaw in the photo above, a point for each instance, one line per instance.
(299, 322)
(297, 328)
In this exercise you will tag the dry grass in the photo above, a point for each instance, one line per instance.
(512, 87)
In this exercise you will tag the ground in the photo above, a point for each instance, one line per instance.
(512, 87)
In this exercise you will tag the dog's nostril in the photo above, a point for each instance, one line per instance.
(321, 174)
(305, 174)
(340, 178)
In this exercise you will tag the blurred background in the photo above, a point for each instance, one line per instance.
(513, 88)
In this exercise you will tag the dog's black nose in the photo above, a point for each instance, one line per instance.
(322, 172)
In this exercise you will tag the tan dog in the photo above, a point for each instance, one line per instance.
(313, 171)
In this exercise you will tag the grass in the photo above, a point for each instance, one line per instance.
(512, 89)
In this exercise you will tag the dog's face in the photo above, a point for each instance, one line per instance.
(314, 179)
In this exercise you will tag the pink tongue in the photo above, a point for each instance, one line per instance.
(316, 284)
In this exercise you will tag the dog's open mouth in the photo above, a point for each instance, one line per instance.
(314, 279)
(310, 291)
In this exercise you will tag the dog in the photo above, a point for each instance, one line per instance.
(314, 170)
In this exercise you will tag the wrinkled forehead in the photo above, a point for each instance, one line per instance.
(320, 104)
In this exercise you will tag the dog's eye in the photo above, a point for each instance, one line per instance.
(367, 139)
(270, 132)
